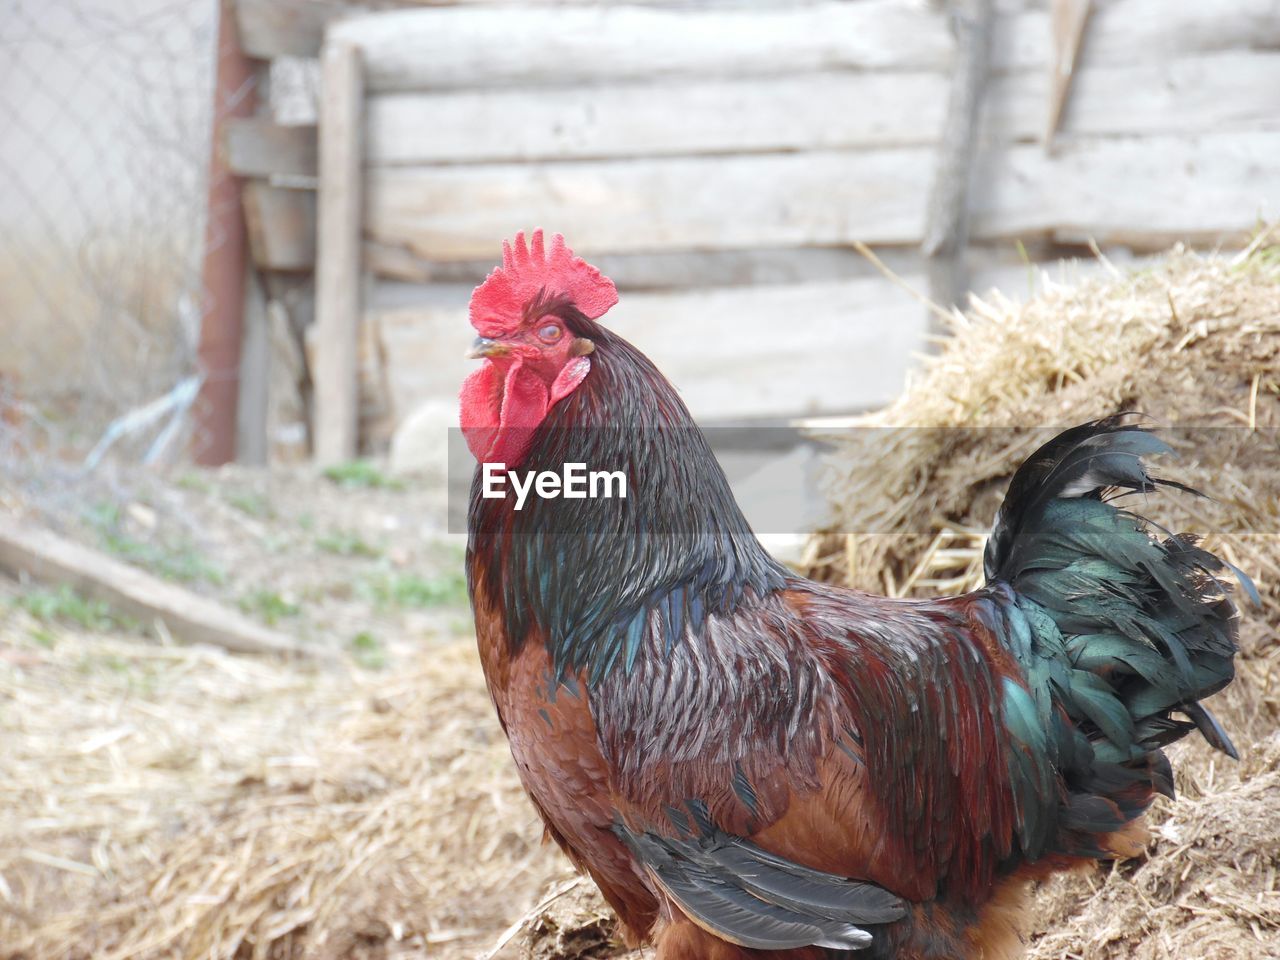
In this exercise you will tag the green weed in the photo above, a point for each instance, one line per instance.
(65, 605)
(367, 650)
(347, 544)
(361, 475)
(269, 606)
(408, 590)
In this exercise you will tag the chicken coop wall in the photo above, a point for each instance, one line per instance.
(722, 163)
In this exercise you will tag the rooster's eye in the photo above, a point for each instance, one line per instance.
(550, 333)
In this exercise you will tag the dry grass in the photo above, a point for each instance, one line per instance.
(1192, 343)
(1206, 891)
(376, 818)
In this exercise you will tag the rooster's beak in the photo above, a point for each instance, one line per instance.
(484, 347)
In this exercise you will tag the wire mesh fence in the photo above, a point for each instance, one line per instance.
(105, 107)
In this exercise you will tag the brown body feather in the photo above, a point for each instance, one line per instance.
(818, 798)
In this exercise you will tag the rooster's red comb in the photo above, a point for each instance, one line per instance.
(497, 305)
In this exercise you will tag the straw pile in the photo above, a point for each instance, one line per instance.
(373, 817)
(1191, 343)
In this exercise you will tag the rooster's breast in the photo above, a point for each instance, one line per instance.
(553, 741)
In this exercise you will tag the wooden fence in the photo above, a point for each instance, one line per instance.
(719, 163)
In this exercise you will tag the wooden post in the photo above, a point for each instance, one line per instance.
(946, 231)
(338, 253)
(225, 258)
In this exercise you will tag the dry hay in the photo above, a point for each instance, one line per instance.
(1206, 890)
(398, 830)
(113, 745)
(1194, 343)
(1191, 343)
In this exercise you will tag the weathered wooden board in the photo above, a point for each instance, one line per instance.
(698, 269)
(31, 551)
(478, 47)
(734, 353)
(258, 147)
(473, 47)
(770, 351)
(281, 222)
(1067, 19)
(253, 397)
(818, 111)
(1207, 93)
(283, 28)
(454, 213)
(1146, 191)
(659, 118)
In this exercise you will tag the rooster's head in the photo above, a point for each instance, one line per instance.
(529, 314)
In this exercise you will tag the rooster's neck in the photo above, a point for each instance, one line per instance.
(595, 578)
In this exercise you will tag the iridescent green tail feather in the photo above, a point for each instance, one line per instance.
(1120, 632)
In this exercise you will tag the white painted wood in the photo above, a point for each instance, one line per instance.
(1147, 191)
(479, 47)
(338, 254)
(827, 110)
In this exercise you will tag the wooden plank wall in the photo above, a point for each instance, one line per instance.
(718, 161)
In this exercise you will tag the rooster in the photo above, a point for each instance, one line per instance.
(750, 764)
